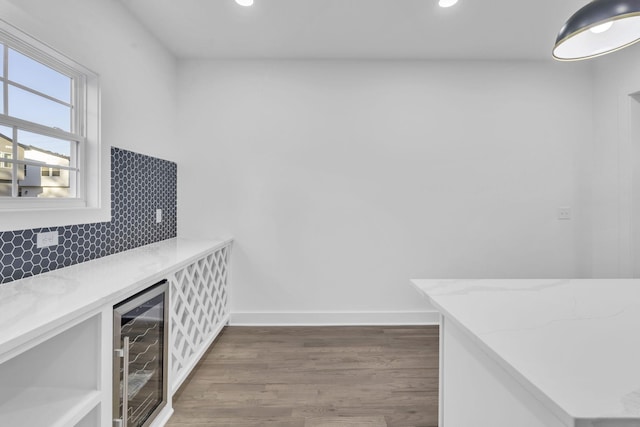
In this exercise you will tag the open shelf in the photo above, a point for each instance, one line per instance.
(55, 383)
(54, 407)
(92, 419)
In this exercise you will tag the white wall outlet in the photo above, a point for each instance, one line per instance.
(47, 239)
(564, 213)
(158, 215)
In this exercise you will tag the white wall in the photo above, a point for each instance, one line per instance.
(137, 74)
(615, 164)
(340, 181)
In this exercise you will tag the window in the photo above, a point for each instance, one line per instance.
(41, 117)
(6, 164)
(49, 171)
(49, 120)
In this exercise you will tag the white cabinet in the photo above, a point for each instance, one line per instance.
(198, 311)
(56, 344)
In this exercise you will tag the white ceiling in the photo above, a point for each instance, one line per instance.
(356, 29)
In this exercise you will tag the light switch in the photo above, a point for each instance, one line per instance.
(158, 215)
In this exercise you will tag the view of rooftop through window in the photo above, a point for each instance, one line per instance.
(38, 135)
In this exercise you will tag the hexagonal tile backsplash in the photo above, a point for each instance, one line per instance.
(139, 185)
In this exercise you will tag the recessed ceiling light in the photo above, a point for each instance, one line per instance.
(244, 2)
(447, 3)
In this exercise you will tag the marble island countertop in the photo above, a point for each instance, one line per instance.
(574, 344)
(33, 306)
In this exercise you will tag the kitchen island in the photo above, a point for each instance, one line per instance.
(538, 353)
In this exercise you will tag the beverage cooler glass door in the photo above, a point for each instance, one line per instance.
(140, 359)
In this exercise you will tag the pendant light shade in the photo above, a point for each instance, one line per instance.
(600, 27)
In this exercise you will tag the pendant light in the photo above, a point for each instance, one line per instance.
(600, 27)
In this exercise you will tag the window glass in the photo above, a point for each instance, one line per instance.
(5, 185)
(4, 156)
(1, 61)
(53, 146)
(52, 182)
(6, 175)
(27, 106)
(34, 75)
(6, 147)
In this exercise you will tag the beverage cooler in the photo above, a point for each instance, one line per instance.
(140, 357)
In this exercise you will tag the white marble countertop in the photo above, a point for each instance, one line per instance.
(575, 344)
(33, 306)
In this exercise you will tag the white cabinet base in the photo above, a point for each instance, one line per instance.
(56, 330)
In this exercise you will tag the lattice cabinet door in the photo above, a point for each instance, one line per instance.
(198, 311)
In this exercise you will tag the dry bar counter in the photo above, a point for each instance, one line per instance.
(57, 349)
(538, 353)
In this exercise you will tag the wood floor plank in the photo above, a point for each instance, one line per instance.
(346, 422)
(314, 377)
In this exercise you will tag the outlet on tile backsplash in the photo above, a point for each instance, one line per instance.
(140, 186)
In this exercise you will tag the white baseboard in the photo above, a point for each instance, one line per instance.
(382, 318)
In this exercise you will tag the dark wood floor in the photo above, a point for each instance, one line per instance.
(314, 377)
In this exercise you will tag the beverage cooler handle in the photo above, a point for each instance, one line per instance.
(125, 382)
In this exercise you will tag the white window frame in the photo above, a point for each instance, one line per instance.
(92, 201)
